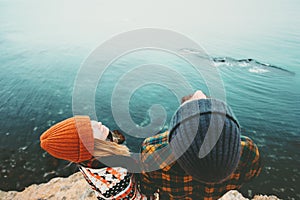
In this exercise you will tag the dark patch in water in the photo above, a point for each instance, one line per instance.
(228, 60)
(233, 61)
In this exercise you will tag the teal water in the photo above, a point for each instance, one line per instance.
(42, 46)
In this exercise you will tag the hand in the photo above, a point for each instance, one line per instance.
(197, 95)
(118, 137)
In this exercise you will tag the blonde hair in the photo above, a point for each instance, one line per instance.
(104, 148)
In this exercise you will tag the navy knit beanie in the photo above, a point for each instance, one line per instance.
(205, 139)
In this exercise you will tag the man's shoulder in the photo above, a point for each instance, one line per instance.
(246, 139)
(157, 141)
(250, 161)
(155, 151)
(249, 148)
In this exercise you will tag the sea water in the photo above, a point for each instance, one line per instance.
(42, 49)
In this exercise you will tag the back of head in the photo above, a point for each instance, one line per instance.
(205, 138)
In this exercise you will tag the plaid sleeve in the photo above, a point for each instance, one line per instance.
(250, 159)
(149, 147)
(147, 186)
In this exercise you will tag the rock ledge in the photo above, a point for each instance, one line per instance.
(75, 187)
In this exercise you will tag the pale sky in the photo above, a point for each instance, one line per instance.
(92, 21)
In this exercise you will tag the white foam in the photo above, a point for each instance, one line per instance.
(60, 111)
(258, 70)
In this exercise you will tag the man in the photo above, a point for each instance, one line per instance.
(202, 156)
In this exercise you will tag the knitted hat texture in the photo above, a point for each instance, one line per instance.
(71, 139)
(208, 159)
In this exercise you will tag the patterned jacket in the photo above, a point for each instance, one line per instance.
(110, 182)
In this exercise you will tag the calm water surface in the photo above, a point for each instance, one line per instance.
(39, 60)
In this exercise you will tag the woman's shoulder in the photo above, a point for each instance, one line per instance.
(108, 181)
(117, 173)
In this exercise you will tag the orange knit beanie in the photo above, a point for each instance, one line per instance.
(71, 139)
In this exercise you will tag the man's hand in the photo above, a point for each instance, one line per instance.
(197, 95)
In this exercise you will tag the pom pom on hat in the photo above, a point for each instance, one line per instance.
(71, 139)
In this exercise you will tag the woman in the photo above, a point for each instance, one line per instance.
(85, 142)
